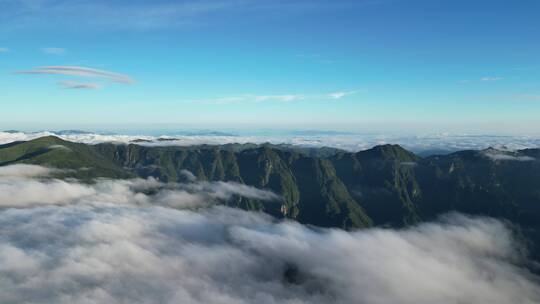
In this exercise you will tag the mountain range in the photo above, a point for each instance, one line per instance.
(383, 186)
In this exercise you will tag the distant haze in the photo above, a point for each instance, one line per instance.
(424, 144)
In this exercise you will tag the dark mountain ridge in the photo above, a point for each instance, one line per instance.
(383, 186)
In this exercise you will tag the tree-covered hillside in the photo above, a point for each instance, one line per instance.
(383, 186)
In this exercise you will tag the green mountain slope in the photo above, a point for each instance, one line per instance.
(79, 160)
(386, 185)
(311, 191)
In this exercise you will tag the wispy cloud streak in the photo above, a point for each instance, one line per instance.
(276, 98)
(491, 78)
(80, 72)
(339, 95)
(79, 85)
(144, 15)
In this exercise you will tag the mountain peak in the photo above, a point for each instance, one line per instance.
(389, 152)
(51, 139)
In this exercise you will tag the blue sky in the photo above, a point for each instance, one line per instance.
(373, 65)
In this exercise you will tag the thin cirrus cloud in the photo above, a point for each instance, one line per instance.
(482, 79)
(53, 51)
(491, 78)
(79, 85)
(276, 98)
(143, 15)
(79, 72)
(4, 50)
(339, 95)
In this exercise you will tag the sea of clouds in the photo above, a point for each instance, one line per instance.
(506, 156)
(423, 144)
(140, 241)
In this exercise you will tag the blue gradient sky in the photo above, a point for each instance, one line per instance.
(374, 65)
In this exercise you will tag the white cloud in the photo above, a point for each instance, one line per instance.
(79, 85)
(276, 98)
(120, 254)
(252, 98)
(4, 50)
(441, 143)
(283, 98)
(190, 177)
(24, 170)
(16, 190)
(18, 193)
(491, 78)
(225, 190)
(80, 72)
(496, 155)
(53, 51)
(339, 95)
(111, 242)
